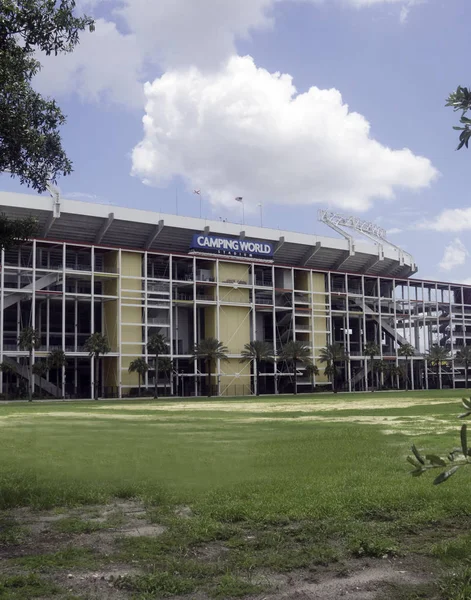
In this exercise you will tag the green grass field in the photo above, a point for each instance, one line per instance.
(271, 487)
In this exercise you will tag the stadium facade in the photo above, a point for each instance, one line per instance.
(129, 273)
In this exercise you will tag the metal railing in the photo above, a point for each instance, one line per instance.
(205, 297)
(263, 282)
(263, 300)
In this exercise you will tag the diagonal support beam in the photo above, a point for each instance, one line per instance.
(373, 262)
(155, 234)
(310, 254)
(104, 228)
(375, 259)
(279, 245)
(339, 264)
(49, 223)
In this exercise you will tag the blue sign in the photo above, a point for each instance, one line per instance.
(214, 244)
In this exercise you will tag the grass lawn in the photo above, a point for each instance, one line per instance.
(230, 498)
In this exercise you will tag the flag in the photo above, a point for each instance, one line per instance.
(239, 199)
(197, 192)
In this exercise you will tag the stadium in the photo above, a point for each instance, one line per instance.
(131, 273)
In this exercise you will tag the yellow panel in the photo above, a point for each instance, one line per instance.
(234, 327)
(320, 317)
(131, 266)
(110, 261)
(301, 280)
(110, 287)
(131, 314)
(318, 282)
(126, 377)
(110, 368)
(229, 294)
(110, 313)
(236, 378)
(321, 378)
(233, 272)
(210, 322)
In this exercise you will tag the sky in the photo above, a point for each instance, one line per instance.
(294, 105)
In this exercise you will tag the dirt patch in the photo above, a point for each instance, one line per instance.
(87, 537)
(95, 584)
(280, 406)
(94, 527)
(358, 579)
(184, 512)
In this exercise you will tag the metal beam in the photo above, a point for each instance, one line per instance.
(155, 233)
(279, 245)
(104, 228)
(375, 259)
(49, 223)
(373, 262)
(310, 253)
(339, 264)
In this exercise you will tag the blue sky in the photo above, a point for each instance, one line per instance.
(219, 119)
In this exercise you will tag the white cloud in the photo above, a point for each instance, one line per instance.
(394, 230)
(455, 255)
(451, 219)
(466, 281)
(404, 14)
(245, 131)
(165, 34)
(106, 65)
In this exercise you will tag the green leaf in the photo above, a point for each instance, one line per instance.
(464, 440)
(445, 475)
(436, 460)
(417, 455)
(466, 403)
(413, 462)
(464, 415)
(417, 472)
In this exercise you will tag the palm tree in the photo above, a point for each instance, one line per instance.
(165, 367)
(436, 356)
(371, 350)
(157, 345)
(40, 368)
(379, 367)
(292, 353)
(330, 356)
(408, 351)
(57, 360)
(257, 352)
(96, 345)
(210, 350)
(7, 369)
(139, 366)
(312, 370)
(395, 372)
(29, 339)
(463, 357)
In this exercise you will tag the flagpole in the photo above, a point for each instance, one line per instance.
(198, 193)
(260, 205)
(241, 200)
